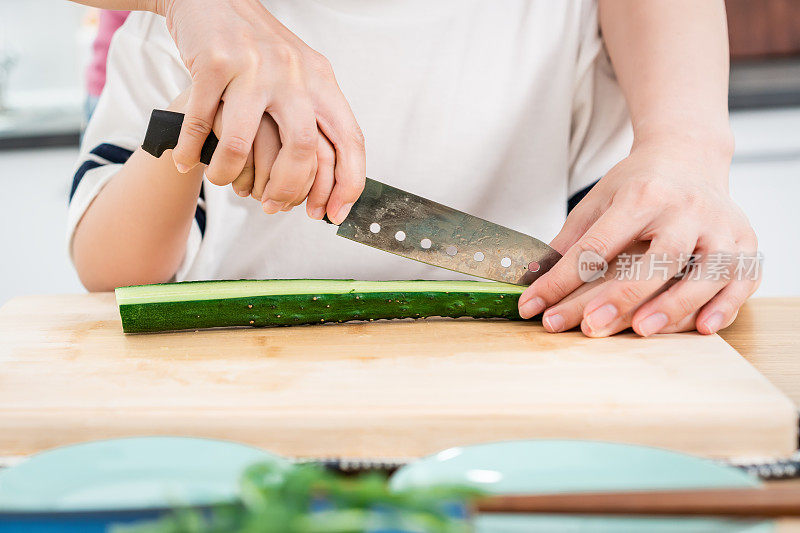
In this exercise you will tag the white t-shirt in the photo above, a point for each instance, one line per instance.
(503, 109)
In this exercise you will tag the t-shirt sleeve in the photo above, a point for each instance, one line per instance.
(601, 133)
(143, 72)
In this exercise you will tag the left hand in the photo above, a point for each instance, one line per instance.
(673, 195)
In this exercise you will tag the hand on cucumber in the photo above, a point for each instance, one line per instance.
(571, 308)
(672, 197)
(307, 144)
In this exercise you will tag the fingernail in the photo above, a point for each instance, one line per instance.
(601, 317)
(653, 324)
(532, 307)
(287, 207)
(714, 322)
(553, 323)
(343, 212)
(271, 207)
(318, 213)
(243, 193)
(183, 169)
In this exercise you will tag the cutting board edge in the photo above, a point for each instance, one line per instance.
(335, 437)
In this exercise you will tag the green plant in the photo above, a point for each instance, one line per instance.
(309, 499)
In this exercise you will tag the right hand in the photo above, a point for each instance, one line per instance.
(237, 52)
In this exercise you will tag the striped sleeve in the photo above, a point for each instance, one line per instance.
(144, 72)
(101, 155)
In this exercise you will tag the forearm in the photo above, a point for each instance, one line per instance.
(671, 59)
(136, 229)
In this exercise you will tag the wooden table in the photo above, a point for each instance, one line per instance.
(767, 334)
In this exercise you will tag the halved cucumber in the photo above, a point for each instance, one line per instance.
(288, 302)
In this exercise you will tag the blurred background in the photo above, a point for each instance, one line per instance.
(45, 48)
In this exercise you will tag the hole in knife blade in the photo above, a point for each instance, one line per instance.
(533, 266)
(374, 227)
(425, 243)
(400, 236)
(478, 256)
(451, 250)
(505, 262)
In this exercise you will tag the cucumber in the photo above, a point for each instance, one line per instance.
(289, 302)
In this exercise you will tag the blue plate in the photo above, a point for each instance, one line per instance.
(557, 466)
(88, 486)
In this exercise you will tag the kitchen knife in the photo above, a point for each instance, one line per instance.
(408, 225)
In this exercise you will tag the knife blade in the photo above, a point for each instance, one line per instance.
(410, 226)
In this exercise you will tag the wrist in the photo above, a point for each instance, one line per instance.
(714, 144)
(709, 152)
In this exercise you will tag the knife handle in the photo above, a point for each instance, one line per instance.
(162, 134)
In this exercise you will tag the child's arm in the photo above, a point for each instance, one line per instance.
(135, 231)
(131, 216)
(671, 59)
(136, 228)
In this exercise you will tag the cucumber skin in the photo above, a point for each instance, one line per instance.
(298, 309)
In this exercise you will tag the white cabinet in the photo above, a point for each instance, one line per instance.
(765, 181)
(33, 212)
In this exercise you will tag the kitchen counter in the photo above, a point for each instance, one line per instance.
(767, 334)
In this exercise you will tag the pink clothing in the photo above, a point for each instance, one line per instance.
(110, 21)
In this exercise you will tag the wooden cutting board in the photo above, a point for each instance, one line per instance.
(395, 389)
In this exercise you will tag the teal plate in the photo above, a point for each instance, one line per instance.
(557, 466)
(129, 474)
